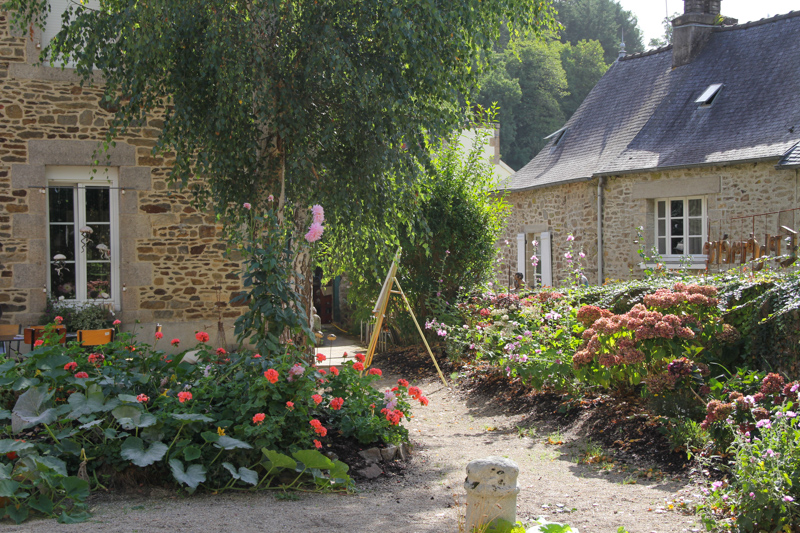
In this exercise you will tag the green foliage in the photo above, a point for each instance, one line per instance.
(601, 20)
(529, 82)
(583, 65)
(763, 488)
(226, 422)
(89, 315)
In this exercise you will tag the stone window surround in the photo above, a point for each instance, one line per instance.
(32, 226)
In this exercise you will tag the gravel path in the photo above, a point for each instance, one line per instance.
(447, 434)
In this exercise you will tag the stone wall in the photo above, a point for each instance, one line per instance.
(730, 191)
(172, 267)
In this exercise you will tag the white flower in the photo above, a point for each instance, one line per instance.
(86, 230)
(59, 257)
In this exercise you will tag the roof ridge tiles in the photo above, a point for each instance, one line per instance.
(751, 24)
(646, 53)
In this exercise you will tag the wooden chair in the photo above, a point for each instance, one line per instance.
(9, 330)
(95, 337)
(34, 333)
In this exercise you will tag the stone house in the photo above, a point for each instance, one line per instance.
(151, 257)
(691, 142)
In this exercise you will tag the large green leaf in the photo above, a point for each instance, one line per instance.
(8, 445)
(243, 474)
(94, 401)
(75, 488)
(53, 362)
(313, 459)
(8, 487)
(190, 453)
(192, 417)
(132, 416)
(133, 450)
(191, 477)
(229, 443)
(279, 460)
(33, 408)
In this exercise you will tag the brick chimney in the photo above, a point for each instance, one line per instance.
(692, 29)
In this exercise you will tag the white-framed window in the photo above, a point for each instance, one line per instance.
(83, 234)
(54, 20)
(537, 273)
(680, 226)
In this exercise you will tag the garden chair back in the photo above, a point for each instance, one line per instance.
(34, 333)
(9, 330)
(95, 337)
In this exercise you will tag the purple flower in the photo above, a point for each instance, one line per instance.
(716, 485)
(764, 424)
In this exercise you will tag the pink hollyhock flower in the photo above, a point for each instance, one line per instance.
(175, 342)
(570, 238)
(247, 206)
(72, 365)
(271, 375)
(201, 336)
(159, 335)
(318, 214)
(143, 398)
(337, 403)
(359, 366)
(314, 232)
(117, 322)
(317, 399)
(81, 375)
(258, 418)
(270, 198)
(184, 396)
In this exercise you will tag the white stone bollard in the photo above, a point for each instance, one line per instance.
(492, 490)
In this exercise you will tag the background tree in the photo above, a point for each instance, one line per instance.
(657, 42)
(601, 20)
(314, 102)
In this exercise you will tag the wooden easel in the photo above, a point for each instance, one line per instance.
(380, 311)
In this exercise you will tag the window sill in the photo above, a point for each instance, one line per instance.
(675, 264)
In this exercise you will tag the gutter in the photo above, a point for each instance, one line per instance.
(601, 181)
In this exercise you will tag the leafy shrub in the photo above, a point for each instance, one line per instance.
(231, 420)
(76, 316)
(764, 483)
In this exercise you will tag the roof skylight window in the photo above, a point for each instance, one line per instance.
(708, 96)
(558, 135)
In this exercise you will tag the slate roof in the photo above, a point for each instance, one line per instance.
(642, 116)
(791, 159)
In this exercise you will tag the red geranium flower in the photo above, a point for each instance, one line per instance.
(159, 335)
(142, 398)
(360, 357)
(72, 365)
(184, 396)
(402, 383)
(359, 366)
(337, 403)
(321, 357)
(317, 443)
(375, 372)
(201, 336)
(423, 400)
(175, 342)
(258, 418)
(81, 375)
(271, 375)
(290, 406)
(38, 343)
(221, 351)
(317, 399)
(334, 371)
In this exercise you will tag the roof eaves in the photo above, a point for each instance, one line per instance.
(550, 184)
(687, 165)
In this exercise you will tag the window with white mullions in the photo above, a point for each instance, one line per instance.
(82, 235)
(680, 226)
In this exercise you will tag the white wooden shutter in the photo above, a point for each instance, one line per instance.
(546, 259)
(521, 253)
